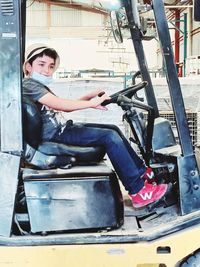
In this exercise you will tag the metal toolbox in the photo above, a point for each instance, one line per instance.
(79, 198)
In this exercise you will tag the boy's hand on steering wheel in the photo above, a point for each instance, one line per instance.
(97, 101)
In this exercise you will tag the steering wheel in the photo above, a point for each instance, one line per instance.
(129, 92)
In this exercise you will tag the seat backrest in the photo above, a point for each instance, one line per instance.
(32, 123)
(45, 155)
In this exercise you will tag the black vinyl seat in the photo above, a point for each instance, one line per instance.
(48, 155)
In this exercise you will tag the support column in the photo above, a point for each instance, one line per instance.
(177, 36)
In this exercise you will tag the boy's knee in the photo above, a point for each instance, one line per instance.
(113, 136)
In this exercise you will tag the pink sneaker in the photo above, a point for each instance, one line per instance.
(149, 176)
(148, 194)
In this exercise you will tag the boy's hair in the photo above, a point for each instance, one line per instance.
(47, 52)
(39, 50)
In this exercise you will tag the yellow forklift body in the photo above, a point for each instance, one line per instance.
(167, 251)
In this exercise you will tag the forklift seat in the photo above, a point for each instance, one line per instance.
(47, 155)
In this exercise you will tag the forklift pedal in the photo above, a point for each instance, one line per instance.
(167, 200)
(161, 203)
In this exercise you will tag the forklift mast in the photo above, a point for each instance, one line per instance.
(134, 25)
(189, 182)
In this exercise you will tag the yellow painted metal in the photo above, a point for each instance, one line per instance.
(141, 254)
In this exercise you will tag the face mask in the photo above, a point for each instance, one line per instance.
(46, 80)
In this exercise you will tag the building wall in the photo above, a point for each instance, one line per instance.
(51, 21)
(83, 39)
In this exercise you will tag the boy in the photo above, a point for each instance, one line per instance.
(40, 64)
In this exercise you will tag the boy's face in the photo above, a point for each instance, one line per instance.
(43, 65)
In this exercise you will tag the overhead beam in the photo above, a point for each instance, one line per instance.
(76, 6)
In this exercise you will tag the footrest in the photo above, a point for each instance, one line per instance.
(170, 151)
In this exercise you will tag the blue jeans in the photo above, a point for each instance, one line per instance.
(127, 164)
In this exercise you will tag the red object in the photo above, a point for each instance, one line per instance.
(148, 194)
(149, 176)
(177, 36)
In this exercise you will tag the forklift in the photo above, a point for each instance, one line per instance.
(62, 205)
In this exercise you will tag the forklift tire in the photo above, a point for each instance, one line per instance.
(192, 260)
